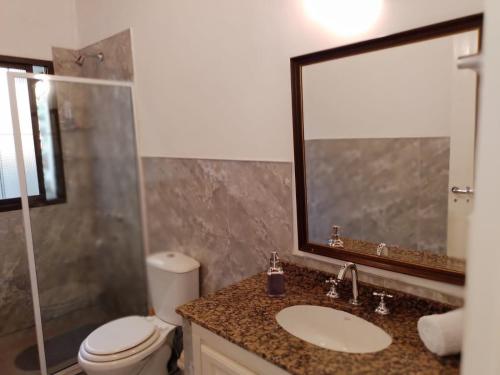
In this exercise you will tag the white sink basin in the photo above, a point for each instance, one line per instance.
(333, 329)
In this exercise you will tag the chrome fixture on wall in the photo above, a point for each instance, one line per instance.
(473, 62)
(80, 59)
(466, 190)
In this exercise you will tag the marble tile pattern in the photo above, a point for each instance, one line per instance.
(116, 257)
(115, 261)
(392, 190)
(244, 315)
(117, 207)
(117, 63)
(229, 215)
(16, 303)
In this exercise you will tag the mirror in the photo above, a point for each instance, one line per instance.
(384, 134)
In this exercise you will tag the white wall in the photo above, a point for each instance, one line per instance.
(29, 28)
(482, 328)
(213, 77)
(391, 93)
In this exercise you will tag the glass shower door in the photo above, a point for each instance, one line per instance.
(85, 222)
(17, 324)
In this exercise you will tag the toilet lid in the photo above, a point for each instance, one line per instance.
(119, 335)
(145, 348)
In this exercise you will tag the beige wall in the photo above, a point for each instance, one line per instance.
(29, 28)
(213, 77)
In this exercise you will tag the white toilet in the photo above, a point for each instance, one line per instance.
(138, 344)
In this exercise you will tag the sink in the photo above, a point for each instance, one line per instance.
(333, 329)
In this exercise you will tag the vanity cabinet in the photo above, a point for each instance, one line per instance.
(215, 363)
(213, 355)
(243, 334)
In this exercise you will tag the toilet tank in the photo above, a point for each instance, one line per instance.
(173, 280)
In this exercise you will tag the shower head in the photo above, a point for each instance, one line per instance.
(81, 58)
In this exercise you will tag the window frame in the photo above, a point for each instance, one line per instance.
(39, 200)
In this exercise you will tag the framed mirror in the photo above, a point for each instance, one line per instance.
(384, 143)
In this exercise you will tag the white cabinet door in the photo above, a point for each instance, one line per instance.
(214, 363)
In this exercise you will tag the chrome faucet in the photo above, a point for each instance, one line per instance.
(354, 272)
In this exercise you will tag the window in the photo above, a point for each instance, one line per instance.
(40, 136)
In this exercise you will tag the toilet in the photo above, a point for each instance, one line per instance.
(140, 344)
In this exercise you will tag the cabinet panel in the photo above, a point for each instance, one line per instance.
(214, 363)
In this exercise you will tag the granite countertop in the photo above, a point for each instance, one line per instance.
(244, 315)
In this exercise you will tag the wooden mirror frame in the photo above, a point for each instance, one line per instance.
(438, 30)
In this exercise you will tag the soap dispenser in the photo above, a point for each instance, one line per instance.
(275, 277)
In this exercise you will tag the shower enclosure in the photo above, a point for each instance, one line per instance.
(74, 241)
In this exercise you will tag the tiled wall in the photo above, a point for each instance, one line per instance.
(117, 63)
(15, 296)
(230, 215)
(116, 266)
(392, 190)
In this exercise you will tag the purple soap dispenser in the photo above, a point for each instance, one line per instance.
(275, 277)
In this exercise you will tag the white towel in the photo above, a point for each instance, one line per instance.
(442, 333)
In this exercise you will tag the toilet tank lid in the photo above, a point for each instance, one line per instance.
(172, 261)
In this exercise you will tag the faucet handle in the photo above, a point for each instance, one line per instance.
(332, 280)
(383, 294)
(332, 293)
(382, 249)
(382, 308)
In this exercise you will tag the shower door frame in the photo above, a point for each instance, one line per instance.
(21, 171)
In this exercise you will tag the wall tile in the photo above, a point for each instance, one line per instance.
(117, 63)
(392, 190)
(228, 215)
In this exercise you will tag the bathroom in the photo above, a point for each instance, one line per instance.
(200, 129)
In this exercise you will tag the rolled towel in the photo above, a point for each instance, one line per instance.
(442, 333)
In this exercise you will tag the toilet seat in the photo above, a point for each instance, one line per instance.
(103, 367)
(124, 354)
(124, 340)
(119, 335)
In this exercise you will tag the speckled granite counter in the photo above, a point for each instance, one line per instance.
(244, 315)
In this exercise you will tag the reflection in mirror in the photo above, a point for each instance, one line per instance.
(386, 135)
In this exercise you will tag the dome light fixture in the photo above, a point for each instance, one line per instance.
(344, 17)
